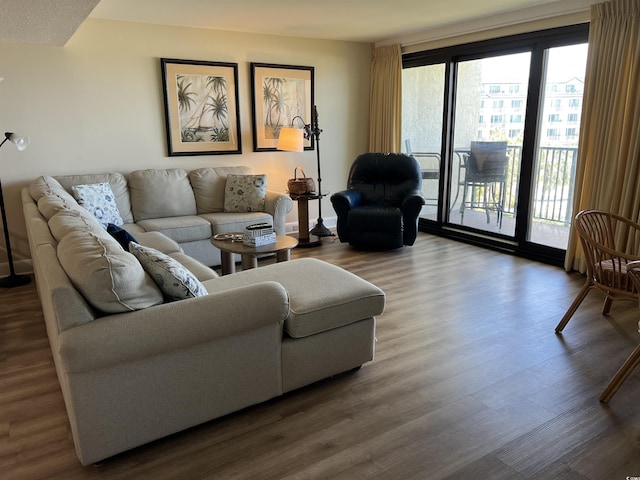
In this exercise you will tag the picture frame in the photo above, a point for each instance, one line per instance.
(280, 93)
(201, 107)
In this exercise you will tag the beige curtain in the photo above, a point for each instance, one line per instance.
(385, 106)
(608, 170)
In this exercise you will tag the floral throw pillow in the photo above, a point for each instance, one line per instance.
(245, 193)
(98, 199)
(175, 281)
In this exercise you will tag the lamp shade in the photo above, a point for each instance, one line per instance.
(291, 139)
(20, 142)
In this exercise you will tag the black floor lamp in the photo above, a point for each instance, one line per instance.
(293, 143)
(12, 280)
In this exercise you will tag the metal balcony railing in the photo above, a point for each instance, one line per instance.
(553, 181)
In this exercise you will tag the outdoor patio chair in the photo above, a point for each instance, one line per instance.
(484, 180)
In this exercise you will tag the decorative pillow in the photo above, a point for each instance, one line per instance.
(175, 281)
(98, 198)
(121, 235)
(245, 193)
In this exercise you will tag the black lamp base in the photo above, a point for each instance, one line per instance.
(14, 280)
(320, 230)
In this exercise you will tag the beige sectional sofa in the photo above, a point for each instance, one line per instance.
(186, 206)
(134, 367)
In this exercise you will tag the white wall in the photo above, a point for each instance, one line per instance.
(96, 105)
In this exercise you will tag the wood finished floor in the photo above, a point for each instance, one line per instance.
(469, 382)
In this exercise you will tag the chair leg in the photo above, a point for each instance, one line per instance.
(462, 204)
(618, 379)
(606, 308)
(574, 306)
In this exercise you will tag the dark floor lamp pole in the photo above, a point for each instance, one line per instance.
(320, 230)
(13, 280)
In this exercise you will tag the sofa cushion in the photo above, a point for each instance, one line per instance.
(245, 193)
(201, 271)
(158, 241)
(98, 198)
(109, 278)
(49, 185)
(51, 203)
(158, 193)
(235, 222)
(116, 180)
(208, 185)
(175, 281)
(345, 298)
(189, 228)
(67, 221)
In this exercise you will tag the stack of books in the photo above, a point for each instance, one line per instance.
(258, 234)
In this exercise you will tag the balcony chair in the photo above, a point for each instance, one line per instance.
(484, 178)
(632, 361)
(609, 242)
(380, 208)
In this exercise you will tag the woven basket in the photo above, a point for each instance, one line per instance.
(300, 186)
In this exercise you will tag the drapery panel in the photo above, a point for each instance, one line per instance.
(385, 106)
(608, 170)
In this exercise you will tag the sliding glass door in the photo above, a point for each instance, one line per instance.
(490, 98)
(556, 150)
(423, 111)
(495, 128)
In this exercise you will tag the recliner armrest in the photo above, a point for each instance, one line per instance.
(346, 199)
(412, 201)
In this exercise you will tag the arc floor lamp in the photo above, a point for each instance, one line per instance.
(12, 280)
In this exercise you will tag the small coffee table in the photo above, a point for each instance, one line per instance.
(281, 247)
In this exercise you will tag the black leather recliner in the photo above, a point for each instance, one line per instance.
(380, 208)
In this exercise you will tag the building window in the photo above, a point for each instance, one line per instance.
(498, 103)
(553, 132)
(554, 117)
(514, 88)
(572, 132)
(514, 133)
(572, 117)
(515, 118)
(494, 89)
(570, 88)
(556, 103)
(516, 103)
(574, 102)
(497, 118)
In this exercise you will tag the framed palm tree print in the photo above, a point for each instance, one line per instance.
(282, 97)
(201, 107)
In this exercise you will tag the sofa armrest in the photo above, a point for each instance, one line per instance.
(278, 205)
(122, 338)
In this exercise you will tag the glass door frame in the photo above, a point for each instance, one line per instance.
(536, 43)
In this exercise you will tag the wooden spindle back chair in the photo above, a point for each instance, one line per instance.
(609, 242)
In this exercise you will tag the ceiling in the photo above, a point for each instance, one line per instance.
(54, 22)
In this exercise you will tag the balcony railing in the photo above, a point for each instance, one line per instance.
(553, 181)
